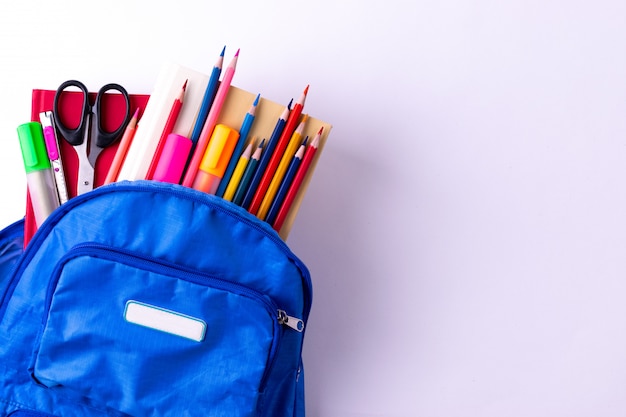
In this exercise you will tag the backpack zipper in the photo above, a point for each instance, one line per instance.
(293, 322)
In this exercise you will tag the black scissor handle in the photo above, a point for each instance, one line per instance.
(73, 136)
(104, 138)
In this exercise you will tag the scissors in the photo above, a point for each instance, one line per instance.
(89, 138)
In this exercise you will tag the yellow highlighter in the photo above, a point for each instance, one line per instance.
(215, 159)
(292, 147)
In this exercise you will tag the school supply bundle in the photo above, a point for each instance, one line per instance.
(192, 129)
(151, 289)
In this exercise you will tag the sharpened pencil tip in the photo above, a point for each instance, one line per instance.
(223, 50)
(306, 90)
(320, 131)
(262, 143)
(237, 53)
(256, 100)
(136, 113)
(185, 85)
(290, 103)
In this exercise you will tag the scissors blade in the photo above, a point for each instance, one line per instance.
(85, 170)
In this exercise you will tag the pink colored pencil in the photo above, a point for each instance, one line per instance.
(211, 121)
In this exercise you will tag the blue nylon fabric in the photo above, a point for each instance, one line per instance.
(11, 248)
(178, 225)
(28, 413)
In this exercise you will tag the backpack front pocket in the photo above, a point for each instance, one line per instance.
(140, 335)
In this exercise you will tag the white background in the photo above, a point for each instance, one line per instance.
(466, 225)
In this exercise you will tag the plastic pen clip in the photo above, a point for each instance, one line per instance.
(52, 146)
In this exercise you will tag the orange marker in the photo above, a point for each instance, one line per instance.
(215, 159)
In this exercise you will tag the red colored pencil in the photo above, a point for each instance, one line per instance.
(297, 182)
(277, 154)
(169, 128)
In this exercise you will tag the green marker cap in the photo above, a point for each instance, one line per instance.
(33, 147)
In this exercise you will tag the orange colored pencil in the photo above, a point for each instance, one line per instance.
(169, 128)
(122, 149)
(297, 182)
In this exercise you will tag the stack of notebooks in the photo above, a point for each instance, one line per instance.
(278, 143)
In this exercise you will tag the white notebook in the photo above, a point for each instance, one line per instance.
(151, 124)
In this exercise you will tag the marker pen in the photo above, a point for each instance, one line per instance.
(215, 159)
(39, 175)
(52, 146)
(173, 159)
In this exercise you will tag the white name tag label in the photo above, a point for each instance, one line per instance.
(165, 320)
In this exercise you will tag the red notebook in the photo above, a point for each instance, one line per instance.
(70, 107)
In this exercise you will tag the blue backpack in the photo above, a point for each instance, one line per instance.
(151, 299)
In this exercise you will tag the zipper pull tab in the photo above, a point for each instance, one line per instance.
(293, 322)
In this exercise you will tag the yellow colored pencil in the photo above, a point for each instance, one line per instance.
(277, 179)
(229, 193)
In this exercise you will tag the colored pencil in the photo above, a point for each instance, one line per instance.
(211, 121)
(169, 128)
(292, 147)
(267, 154)
(277, 153)
(286, 183)
(207, 100)
(247, 175)
(243, 137)
(297, 182)
(235, 178)
(122, 149)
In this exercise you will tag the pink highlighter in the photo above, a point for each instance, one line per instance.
(173, 159)
(215, 159)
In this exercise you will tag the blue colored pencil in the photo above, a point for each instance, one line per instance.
(243, 136)
(265, 158)
(207, 100)
(246, 177)
(285, 184)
